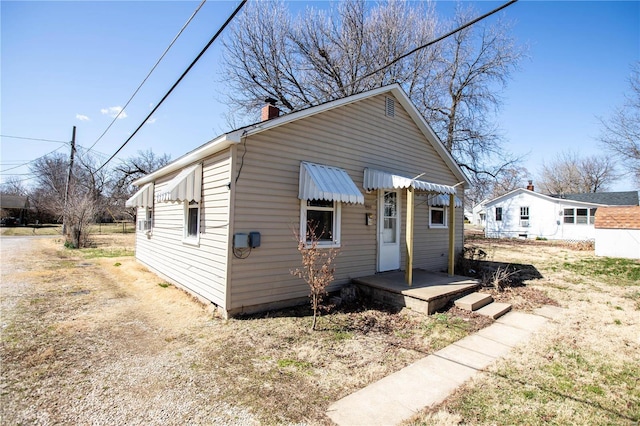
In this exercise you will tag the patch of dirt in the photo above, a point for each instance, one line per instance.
(104, 341)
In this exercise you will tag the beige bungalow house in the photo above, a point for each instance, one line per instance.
(221, 220)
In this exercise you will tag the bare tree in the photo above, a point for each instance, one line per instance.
(322, 55)
(461, 100)
(128, 171)
(86, 193)
(571, 174)
(14, 186)
(621, 132)
(47, 194)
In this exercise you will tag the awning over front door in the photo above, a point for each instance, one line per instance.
(320, 182)
(186, 186)
(376, 179)
(142, 198)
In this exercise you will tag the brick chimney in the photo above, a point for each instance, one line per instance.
(530, 186)
(270, 110)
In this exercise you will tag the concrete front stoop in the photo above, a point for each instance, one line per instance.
(483, 304)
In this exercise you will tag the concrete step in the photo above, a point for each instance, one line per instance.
(473, 301)
(495, 310)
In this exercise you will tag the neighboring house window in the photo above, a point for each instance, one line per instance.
(498, 213)
(437, 217)
(569, 216)
(524, 216)
(192, 220)
(580, 216)
(146, 223)
(322, 220)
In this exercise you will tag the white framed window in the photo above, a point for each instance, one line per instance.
(579, 216)
(498, 214)
(321, 219)
(146, 223)
(524, 217)
(192, 222)
(437, 217)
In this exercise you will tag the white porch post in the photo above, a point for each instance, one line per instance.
(452, 234)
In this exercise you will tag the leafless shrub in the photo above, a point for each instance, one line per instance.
(500, 279)
(317, 268)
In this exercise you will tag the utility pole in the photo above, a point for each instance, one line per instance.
(68, 186)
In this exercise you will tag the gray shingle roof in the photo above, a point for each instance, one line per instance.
(625, 198)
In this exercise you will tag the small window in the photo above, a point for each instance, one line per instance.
(146, 223)
(192, 220)
(498, 214)
(524, 217)
(437, 217)
(321, 219)
(592, 216)
(569, 216)
(582, 216)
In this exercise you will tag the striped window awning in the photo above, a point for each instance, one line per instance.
(142, 198)
(442, 200)
(186, 186)
(320, 182)
(376, 179)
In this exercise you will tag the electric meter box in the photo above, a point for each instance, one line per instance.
(240, 240)
(254, 239)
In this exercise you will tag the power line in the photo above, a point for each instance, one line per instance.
(450, 33)
(33, 139)
(404, 55)
(149, 74)
(35, 159)
(215, 36)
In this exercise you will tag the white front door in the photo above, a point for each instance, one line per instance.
(388, 230)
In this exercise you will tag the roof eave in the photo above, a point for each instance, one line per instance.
(212, 147)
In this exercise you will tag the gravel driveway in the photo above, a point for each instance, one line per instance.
(92, 342)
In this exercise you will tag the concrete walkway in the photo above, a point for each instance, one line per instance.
(431, 380)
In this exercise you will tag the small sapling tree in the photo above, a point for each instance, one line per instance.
(317, 267)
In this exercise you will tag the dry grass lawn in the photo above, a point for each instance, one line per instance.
(91, 337)
(581, 369)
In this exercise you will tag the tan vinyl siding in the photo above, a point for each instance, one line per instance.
(351, 137)
(201, 269)
(431, 251)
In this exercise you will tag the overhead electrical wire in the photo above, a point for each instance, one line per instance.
(411, 52)
(206, 47)
(399, 58)
(35, 159)
(33, 139)
(442, 37)
(149, 74)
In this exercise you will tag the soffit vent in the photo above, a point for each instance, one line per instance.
(389, 107)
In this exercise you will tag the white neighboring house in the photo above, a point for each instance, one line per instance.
(479, 214)
(522, 213)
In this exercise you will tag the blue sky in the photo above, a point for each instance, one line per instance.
(69, 63)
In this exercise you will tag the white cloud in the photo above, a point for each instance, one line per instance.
(151, 120)
(82, 117)
(113, 112)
